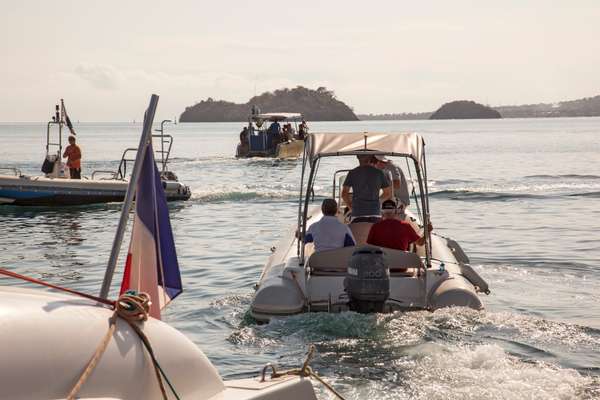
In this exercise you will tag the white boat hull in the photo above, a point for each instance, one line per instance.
(47, 340)
(41, 191)
(286, 287)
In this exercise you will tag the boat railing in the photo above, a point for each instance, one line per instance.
(122, 170)
(14, 170)
(338, 197)
(113, 174)
(166, 144)
(50, 145)
(161, 155)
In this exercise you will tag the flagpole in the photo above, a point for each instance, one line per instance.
(131, 188)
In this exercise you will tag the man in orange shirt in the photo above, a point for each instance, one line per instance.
(73, 156)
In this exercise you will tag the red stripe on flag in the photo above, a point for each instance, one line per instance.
(126, 283)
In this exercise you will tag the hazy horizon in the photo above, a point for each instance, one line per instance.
(105, 59)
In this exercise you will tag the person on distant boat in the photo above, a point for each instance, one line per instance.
(329, 233)
(366, 181)
(73, 155)
(302, 130)
(398, 179)
(393, 233)
(275, 128)
(286, 133)
(244, 136)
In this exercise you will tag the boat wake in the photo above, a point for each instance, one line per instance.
(517, 193)
(475, 195)
(242, 195)
(453, 353)
(565, 176)
(530, 187)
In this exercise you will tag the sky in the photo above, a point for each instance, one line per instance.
(106, 58)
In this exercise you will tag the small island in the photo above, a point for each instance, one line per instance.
(314, 105)
(465, 109)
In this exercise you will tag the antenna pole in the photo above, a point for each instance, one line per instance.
(145, 139)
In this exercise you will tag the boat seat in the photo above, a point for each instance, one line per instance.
(360, 231)
(335, 262)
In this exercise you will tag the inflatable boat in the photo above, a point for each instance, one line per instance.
(364, 278)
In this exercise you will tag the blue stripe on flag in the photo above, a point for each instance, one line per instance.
(151, 208)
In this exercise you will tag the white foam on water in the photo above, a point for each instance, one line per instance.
(240, 194)
(488, 372)
(434, 371)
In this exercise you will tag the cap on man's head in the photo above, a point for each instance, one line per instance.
(381, 157)
(388, 205)
(71, 138)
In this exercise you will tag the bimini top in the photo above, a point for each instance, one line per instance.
(282, 116)
(339, 144)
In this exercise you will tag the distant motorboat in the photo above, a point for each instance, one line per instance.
(273, 140)
(296, 279)
(55, 187)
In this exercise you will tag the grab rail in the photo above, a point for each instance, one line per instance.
(100, 171)
(16, 171)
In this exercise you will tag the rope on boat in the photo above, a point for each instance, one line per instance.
(304, 371)
(133, 308)
(62, 289)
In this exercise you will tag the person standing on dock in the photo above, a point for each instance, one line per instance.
(73, 155)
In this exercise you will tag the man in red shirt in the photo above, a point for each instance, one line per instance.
(393, 233)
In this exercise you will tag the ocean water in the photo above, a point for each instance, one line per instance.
(521, 196)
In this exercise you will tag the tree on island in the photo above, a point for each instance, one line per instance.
(465, 109)
(314, 105)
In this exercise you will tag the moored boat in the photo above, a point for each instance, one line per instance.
(285, 142)
(297, 279)
(55, 187)
(78, 346)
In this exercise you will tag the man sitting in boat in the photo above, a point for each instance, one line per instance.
(329, 233)
(393, 233)
(398, 180)
(366, 182)
(73, 155)
(286, 134)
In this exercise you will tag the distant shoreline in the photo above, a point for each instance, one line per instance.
(584, 107)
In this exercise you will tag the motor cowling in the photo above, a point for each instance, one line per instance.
(367, 280)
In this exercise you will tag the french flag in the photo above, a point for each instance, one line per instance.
(151, 264)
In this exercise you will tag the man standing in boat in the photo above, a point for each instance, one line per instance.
(73, 155)
(398, 180)
(366, 181)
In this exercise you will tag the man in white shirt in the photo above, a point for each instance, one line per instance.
(329, 233)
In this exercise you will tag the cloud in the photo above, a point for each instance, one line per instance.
(103, 77)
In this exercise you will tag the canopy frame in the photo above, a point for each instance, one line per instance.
(310, 165)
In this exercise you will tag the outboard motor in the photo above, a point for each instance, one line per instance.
(168, 176)
(367, 280)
